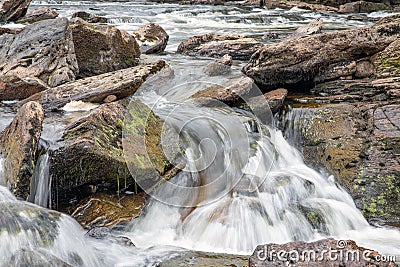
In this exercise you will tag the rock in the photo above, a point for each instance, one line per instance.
(18, 143)
(300, 62)
(231, 95)
(358, 144)
(325, 252)
(203, 259)
(104, 233)
(12, 10)
(387, 62)
(275, 99)
(44, 50)
(100, 49)
(152, 39)
(38, 15)
(362, 7)
(93, 158)
(364, 69)
(36, 257)
(13, 87)
(213, 45)
(103, 210)
(110, 98)
(313, 27)
(120, 83)
(88, 17)
(271, 4)
(220, 66)
(4, 30)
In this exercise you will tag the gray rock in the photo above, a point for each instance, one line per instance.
(88, 17)
(18, 143)
(213, 45)
(44, 50)
(151, 38)
(221, 66)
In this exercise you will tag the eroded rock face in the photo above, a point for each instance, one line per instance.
(18, 144)
(213, 45)
(318, 58)
(97, 89)
(266, 255)
(12, 10)
(38, 15)
(152, 38)
(100, 48)
(92, 159)
(13, 87)
(44, 50)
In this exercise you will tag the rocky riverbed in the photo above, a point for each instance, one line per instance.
(73, 140)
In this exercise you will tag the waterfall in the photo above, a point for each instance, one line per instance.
(41, 184)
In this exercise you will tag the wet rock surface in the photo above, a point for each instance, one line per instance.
(152, 38)
(18, 144)
(12, 10)
(100, 48)
(97, 89)
(38, 15)
(214, 45)
(298, 254)
(221, 66)
(89, 17)
(44, 50)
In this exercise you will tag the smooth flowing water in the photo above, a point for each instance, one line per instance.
(243, 183)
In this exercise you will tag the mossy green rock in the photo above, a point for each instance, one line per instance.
(92, 158)
(387, 62)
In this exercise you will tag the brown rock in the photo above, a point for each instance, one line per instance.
(313, 27)
(275, 99)
(364, 69)
(12, 87)
(18, 143)
(300, 61)
(38, 15)
(213, 45)
(300, 4)
(151, 38)
(362, 7)
(100, 49)
(387, 62)
(120, 83)
(12, 10)
(110, 98)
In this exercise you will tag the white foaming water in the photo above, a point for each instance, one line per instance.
(2, 181)
(41, 187)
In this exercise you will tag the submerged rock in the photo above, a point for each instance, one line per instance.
(44, 50)
(152, 39)
(100, 49)
(92, 157)
(214, 45)
(318, 58)
(38, 15)
(97, 89)
(221, 66)
(37, 257)
(18, 144)
(326, 252)
(12, 10)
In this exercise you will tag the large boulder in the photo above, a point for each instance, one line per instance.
(44, 50)
(321, 57)
(18, 144)
(362, 7)
(359, 144)
(100, 48)
(387, 62)
(12, 10)
(91, 157)
(151, 38)
(325, 252)
(98, 89)
(214, 45)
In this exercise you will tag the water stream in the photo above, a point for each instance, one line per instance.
(248, 185)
